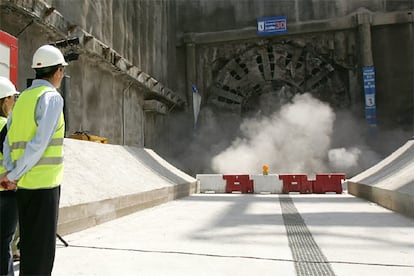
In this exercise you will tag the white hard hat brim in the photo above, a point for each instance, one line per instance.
(11, 93)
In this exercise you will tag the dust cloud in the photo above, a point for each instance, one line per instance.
(303, 135)
(295, 139)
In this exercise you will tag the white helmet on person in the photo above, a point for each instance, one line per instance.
(7, 88)
(46, 56)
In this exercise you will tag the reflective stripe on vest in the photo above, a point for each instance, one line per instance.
(3, 122)
(48, 171)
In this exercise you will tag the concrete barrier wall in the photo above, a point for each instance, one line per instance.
(390, 183)
(102, 182)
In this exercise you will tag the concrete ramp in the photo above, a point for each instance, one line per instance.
(390, 183)
(103, 182)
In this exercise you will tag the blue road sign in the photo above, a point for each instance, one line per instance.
(271, 25)
(368, 75)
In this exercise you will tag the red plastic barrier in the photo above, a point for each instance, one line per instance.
(296, 183)
(238, 183)
(328, 183)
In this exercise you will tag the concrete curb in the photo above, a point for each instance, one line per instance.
(79, 217)
(394, 200)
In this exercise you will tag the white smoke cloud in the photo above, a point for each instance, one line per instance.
(295, 139)
(342, 159)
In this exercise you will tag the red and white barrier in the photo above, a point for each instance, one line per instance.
(328, 183)
(272, 183)
(296, 183)
(238, 183)
(8, 57)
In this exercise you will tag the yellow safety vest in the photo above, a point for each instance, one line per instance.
(3, 122)
(48, 172)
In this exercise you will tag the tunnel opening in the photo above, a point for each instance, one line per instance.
(273, 74)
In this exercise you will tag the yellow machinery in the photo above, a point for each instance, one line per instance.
(83, 135)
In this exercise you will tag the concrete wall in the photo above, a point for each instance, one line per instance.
(395, 74)
(215, 15)
(104, 103)
(141, 31)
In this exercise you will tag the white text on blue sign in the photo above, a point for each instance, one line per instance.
(271, 25)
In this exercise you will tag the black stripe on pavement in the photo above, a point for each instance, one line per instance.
(308, 257)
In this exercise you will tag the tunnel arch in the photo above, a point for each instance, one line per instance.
(276, 72)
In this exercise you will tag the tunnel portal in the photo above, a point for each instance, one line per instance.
(276, 72)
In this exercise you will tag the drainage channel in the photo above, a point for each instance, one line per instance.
(308, 257)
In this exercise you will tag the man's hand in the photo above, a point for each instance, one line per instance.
(3, 181)
(7, 184)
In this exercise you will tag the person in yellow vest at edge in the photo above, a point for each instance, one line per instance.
(33, 158)
(8, 205)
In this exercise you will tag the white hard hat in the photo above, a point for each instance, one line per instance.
(48, 55)
(7, 88)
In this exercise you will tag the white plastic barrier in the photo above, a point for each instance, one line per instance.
(211, 183)
(267, 183)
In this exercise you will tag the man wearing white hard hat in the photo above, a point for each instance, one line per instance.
(8, 204)
(33, 157)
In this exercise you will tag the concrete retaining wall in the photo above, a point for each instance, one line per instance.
(390, 183)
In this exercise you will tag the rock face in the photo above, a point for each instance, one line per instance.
(141, 31)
